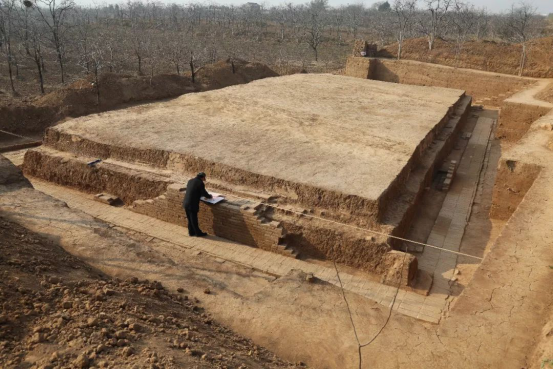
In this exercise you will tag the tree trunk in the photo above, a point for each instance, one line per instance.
(399, 46)
(97, 82)
(139, 65)
(60, 62)
(522, 59)
(40, 76)
(10, 72)
(316, 54)
(192, 71)
(178, 69)
(16, 67)
(431, 42)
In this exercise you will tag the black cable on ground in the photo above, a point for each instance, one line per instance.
(359, 344)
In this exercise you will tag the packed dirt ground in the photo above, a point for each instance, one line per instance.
(502, 317)
(57, 311)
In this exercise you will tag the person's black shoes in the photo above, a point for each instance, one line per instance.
(203, 234)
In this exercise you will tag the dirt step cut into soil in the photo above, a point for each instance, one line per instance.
(57, 311)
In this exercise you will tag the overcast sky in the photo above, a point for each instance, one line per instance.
(543, 6)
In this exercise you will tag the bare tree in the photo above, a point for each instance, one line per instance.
(139, 45)
(177, 51)
(432, 25)
(314, 32)
(7, 30)
(93, 62)
(521, 24)
(110, 43)
(55, 18)
(482, 21)
(31, 34)
(382, 23)
(353, 17)
(464, 22)
(404, 11)
(84, 34)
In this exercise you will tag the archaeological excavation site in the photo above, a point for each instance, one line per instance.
(395, 214)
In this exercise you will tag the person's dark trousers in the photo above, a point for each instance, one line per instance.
(193, 227)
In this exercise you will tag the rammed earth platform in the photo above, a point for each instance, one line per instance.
(334, 142)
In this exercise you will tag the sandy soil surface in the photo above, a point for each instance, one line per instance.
(309, 322)
(57, 311)
(539, 94)
(327, 131)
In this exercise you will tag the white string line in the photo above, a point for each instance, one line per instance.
(365, 229)
(16, 135)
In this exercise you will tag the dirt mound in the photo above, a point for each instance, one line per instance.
(116, 90)
(59, 312)
(221, 74)
(481, 55)
(546, 94)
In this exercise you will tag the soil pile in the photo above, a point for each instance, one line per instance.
(232, 72)
(59, 312)
(116, 90)
(481, 55)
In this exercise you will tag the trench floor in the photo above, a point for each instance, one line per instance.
(458, 220)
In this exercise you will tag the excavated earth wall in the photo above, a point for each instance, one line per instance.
(490, 88)
(513, 181)
(339, 206)
(516, 118)
(404, 208)
(244, 221)
(305, 195)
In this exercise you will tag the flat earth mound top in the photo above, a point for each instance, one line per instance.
(334, 132)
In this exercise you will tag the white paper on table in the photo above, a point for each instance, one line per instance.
(217, 198)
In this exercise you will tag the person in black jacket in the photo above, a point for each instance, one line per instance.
(195, 188)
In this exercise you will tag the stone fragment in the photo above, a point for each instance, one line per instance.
(38, 338)
(136, 327)
(92, 322)
(81, 361)
(67, 304)
(127, 351)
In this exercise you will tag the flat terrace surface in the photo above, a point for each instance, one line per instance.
(333, 132)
